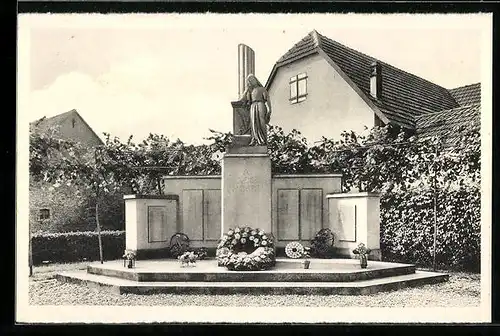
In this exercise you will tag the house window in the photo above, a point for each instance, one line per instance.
(298, 88)
(44, 214)
(73, 122)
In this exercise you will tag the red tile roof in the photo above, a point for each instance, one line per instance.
(467, 95)
(404, 96)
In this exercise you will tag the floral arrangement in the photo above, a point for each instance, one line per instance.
(322, 243)
(261, 259)
(129, 258)
(307, 252)
(243, 239)
(221, 254)
(129, 255)
(246, 249)
(201, 252)
(361, 250)
(294, 250)
(188, 259)
(179, 244)
(363, 253)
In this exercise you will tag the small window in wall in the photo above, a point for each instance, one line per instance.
(73, 122)
(44, 214)
(298, 88)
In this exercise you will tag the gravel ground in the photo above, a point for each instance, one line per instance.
(462, 290)
(48, 271)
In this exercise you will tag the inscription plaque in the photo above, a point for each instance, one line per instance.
(157, 224)
(347, 222)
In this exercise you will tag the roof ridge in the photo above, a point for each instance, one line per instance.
(316, 38)
(45, 118)
(381, 61)
(62, 114)
(406, 94)
(464, 86)
(58, 119)
(304, 39)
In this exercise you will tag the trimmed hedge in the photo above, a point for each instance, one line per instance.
(76, 246)
(407, 228)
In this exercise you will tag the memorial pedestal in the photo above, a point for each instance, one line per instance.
(246, 188)
(150, 221)
(354, 219)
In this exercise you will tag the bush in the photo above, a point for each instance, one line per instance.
(322, 244)
(76, 246)
(407, 228)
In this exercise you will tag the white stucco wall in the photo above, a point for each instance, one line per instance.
(331, 107)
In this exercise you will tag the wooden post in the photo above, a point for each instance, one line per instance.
(30, 257)
(435, 208)
(97, 194)
(98, 230)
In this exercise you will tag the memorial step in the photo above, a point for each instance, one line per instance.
(320, 271)
(363, 287)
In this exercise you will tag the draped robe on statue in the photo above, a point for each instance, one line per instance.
(259, 114)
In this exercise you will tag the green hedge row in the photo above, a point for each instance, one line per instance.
(76, 246)
(407, 228)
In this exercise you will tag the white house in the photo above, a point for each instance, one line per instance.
(321, 88)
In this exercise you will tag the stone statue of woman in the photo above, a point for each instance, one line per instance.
(257, 98)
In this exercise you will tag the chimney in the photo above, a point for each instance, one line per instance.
(376, 80)
(246, 66)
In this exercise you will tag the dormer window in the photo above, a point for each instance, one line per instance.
(298, 88)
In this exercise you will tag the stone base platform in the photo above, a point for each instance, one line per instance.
(320, 270)
(324, 277)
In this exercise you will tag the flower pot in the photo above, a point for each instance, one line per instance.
(306, 264)
(363, 261)
(130, 263)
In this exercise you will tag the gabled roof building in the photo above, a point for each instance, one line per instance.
(322, 88)
(69, 125)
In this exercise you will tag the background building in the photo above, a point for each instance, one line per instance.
(62, 209)
(321, 88)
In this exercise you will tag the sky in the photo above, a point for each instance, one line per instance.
(176, 74)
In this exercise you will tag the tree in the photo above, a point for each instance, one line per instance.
(380, 161)
(60, 161)
(140, 167)
(289, 152)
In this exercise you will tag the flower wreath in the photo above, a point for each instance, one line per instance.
(246, 249)
(294, 250)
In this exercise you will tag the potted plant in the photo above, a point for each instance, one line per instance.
(306, 254)
(129, 258)
(363, 253)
